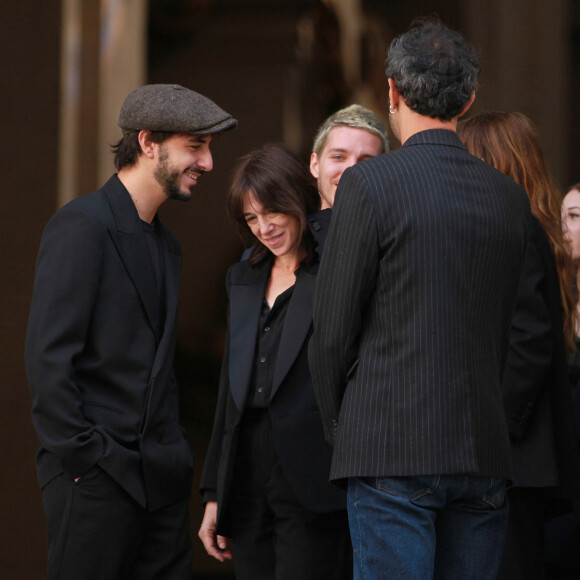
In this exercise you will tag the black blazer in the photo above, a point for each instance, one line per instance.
(296, 426)
(99, 355)
(536, 387)
(319, 224)
(415, 293)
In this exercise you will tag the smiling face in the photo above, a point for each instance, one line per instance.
(344, 147)
(571, 221)
(182, 159)
(279, 232)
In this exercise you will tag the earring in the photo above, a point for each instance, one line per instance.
(392, 110)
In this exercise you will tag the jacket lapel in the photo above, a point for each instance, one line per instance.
(131, 243)
(246, 298)
(297, 325)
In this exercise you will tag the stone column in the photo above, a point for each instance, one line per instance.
(103, 57)
(123, 67)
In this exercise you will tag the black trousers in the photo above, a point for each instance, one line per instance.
(96, 531)
(563, 546)
(523, 555)
(273, 535)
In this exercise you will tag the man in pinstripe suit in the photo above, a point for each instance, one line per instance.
(414, 299)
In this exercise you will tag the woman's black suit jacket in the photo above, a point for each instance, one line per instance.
(535, 385)
(296, 425)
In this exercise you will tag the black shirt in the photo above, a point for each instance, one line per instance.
(156, 252)
(269, 333)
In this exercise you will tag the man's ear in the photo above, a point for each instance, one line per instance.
(394, 94)
(469, 103)
(314, 165)
(146, 144)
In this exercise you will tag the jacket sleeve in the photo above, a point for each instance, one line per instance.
(531, 342)
(347, 273)
(208, 485)
(65, 287)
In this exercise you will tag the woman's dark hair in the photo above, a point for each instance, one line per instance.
(281, 182)
(434, 69)
(127, 148)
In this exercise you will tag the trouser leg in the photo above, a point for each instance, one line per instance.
(448, 527)
(94, 529)
(523, 557)
(166, 551)
(392, 536)
(252, 525)
(471, 528)
(97, 531)
(273, 535)
(309, 545)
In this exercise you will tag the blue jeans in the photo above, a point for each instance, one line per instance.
(442, 527)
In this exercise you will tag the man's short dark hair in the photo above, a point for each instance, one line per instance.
(434, 69)
(127, 148)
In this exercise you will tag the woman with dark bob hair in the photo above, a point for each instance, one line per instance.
(265, 479)
(535, 386)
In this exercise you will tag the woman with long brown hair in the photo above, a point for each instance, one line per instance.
(563, 533)
(535, 385)
(571, 226)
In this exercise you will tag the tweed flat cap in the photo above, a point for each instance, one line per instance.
(173, 108)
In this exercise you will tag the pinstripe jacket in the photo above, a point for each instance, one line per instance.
(415, 294)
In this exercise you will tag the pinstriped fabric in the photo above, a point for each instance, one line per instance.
(414, 297)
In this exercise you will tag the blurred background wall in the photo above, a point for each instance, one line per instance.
(280, 67)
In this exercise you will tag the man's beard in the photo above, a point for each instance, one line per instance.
(169, 179)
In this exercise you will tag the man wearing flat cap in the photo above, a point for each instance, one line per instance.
(114, 466)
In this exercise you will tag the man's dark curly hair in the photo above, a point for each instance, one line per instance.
(434, 69)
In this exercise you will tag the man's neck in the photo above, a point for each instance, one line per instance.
(144, 191)
(412, 123)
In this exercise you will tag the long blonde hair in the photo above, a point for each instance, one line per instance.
(510, 142)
